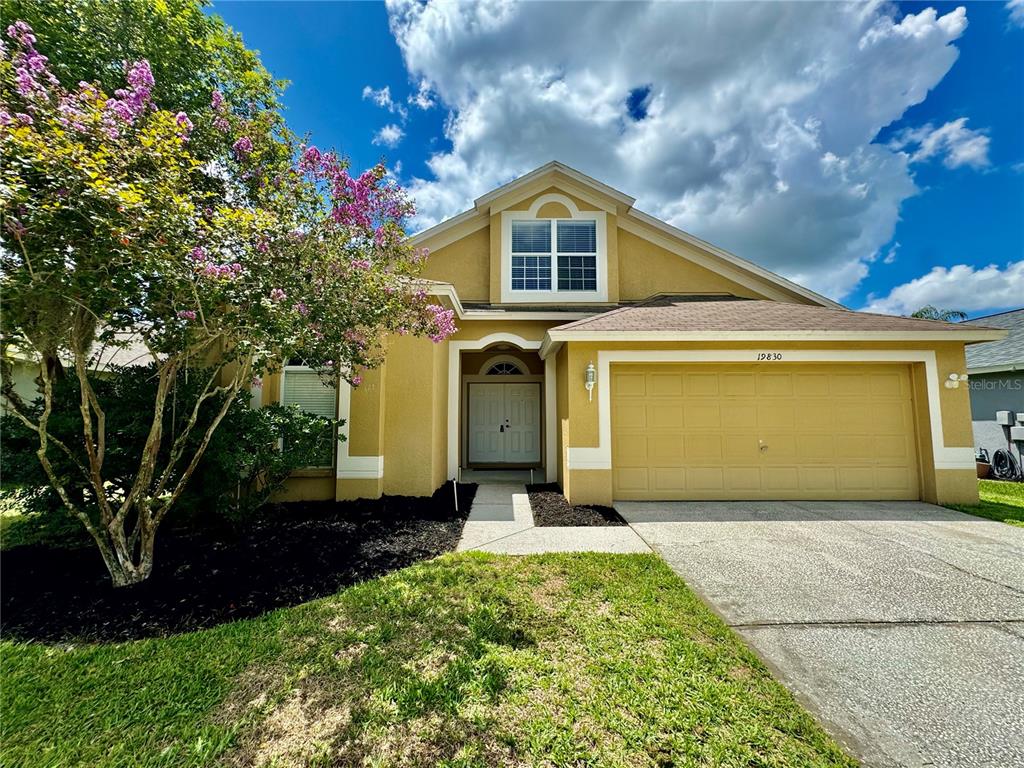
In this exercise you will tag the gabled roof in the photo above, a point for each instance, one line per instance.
(637, 222)
(729, 318)
(485, 202)
(1004, 355)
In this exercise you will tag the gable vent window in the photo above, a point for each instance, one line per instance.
(304, 388)
(504, 369)
(575, 255)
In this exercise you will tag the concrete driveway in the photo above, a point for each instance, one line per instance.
(900, 624)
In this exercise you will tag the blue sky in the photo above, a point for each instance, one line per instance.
(838, 179)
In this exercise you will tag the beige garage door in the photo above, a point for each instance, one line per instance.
(746, 432)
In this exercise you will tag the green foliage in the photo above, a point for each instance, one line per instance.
(191, 53)
(207, 236)
(249, 456)
(465, 660)
(946, 315)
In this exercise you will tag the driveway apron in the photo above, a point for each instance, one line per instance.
(900, 624)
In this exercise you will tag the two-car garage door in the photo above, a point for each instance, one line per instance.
(775, 431)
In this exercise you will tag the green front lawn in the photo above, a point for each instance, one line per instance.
(1000, 500)
(466, 660)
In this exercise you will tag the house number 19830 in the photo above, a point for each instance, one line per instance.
(769, 355)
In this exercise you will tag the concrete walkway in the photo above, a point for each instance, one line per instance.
(900, 624)
(501, 521)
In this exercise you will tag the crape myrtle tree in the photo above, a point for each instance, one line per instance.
(114, 232)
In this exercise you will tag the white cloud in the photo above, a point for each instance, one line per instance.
(382, 98)
(890, 257)
(1016, 9)
(422, 98)
(389, 135)
(958, 144)
(962, 287)
(759, 120)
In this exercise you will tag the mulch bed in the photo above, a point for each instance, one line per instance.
(550, 508)
(289, 554)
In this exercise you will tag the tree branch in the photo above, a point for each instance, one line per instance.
(241, 375)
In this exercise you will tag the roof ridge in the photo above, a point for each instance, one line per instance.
(994, 314)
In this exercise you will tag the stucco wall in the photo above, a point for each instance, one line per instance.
(646, 270)
(464, 263)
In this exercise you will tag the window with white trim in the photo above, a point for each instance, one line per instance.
(571, 245)
(302, 386)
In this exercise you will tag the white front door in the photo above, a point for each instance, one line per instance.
(504, 423)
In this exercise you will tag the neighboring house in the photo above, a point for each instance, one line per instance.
(25, 368)
(997, 383)
(711, 377)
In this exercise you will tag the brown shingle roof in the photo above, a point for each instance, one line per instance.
(702, 314)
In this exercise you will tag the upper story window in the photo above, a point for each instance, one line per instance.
(554, 259)
(574, 255)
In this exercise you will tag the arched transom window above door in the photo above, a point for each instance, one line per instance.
(503, 365)
(553, 257)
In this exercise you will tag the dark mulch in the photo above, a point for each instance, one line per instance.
(289, 554)
(550, 508)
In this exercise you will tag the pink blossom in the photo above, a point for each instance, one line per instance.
(22, 118)
(184, 123)
(5, 118)
(187, 314)
(242, 147)
(301, 308)
(443, 322)
(357, 380)
(198, 253)
(257, 382)
(217, 100)
(278, 295)
(361, 263)
(139, 74)
(21, 32)
(222, 125)
(310, 160)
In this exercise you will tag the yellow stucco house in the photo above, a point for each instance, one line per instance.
(626, 359)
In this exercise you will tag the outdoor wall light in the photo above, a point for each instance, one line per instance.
(590, 379)
(953, 382)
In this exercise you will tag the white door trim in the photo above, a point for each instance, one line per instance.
(600, 456)
(455, 348)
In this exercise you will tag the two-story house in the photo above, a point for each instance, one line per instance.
(626, 359)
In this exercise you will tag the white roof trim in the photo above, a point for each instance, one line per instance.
(448, 224)
(501, 314)
(484, 200)
(1004, 368)
(773, 336)
(448, 291)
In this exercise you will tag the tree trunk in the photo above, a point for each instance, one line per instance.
(128, 562)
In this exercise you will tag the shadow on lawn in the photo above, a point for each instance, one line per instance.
(290, 554)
